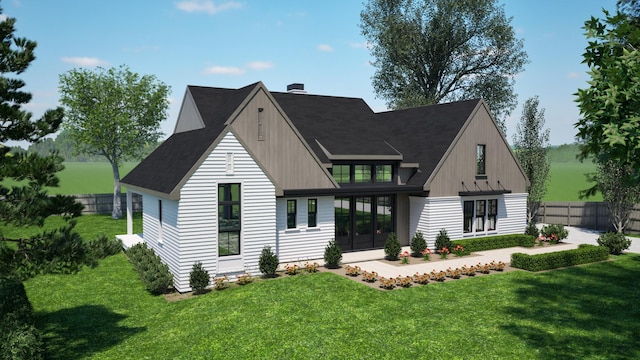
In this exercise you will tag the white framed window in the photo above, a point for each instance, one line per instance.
(229, 163)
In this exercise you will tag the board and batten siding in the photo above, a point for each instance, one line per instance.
(198, 216)
(303, 242)
(165, 242)
(429, 215)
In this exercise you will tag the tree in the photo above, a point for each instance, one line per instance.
(428, 51)
(27, 203)
(610, 106)
(531, 143)
(114, 113)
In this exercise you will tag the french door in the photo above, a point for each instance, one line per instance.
(363, 222)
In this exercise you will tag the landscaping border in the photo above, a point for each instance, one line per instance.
(584, 254)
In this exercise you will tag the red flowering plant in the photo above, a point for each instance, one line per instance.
(311, 267)
(458, 250)
(353, 270)
(244, 279)
(369, 276)
(438, 275)
(221, 282)
(426, 254)
(387, 284)
(456, 273)
(449, 271)
(421, 279)
(485, 269)
(291, 269)
(404, 257)
(500, 266)
(469, 271)
(404, 281)
(444, 252)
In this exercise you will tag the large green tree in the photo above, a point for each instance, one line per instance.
(531, 145)
(114, 113)
(27, 203)
(429, 51)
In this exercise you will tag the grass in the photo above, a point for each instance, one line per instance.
(586, 312)
(566, 179)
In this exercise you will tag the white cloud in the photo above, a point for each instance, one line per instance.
(324, 48)
(206, 6)
(3, 17)
(223, 70)
(84, 61)
(364, 45)
(574, 75)
(260, 65)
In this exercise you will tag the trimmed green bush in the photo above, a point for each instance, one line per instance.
(19, 338)
(616, 242)
(152, 271)
(584, 254)
(101, 247)
(332, 255)
(392, 247)
(555, 232)
(443, 240)
(418, 243)
(198, 278)
(268, 262)
(532, 230)
(496, 242)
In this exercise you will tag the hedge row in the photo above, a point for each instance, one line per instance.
(584, 254)
(496, 242)
(152, 271)
(19, 338)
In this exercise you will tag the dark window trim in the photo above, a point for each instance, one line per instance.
(481, 163)
(372, 170)
(230, 203)
(312, 216)
(291, 215)
(467, 216)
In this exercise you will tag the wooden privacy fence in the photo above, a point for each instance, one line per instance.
(103, 203)
(592, 215)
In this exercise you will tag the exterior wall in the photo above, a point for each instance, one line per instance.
(165, 243)
(402, 219)
(282, 151)
(303, 242)
(189, 117)
(460, 165)
(429, 215)
(198, 217)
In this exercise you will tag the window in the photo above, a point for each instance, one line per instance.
(260, 124)
(384, 220)
(228, 219)
(467, 223)
(362, 173)
(481, 160)
(229, 164)
(383, 173)
(492, 214)
(342, 173)
(159, 220)
(291, 214)
(312, 211)
(480, 212)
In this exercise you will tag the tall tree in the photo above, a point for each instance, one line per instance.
(428, 51)
(28, 204)
(531, 143)
(114, 113)
(610, 105)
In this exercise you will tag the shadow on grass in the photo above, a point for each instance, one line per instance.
(582, 312)
(82, 331)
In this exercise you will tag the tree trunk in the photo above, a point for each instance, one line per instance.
(116, 213)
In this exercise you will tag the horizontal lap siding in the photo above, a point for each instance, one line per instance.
(512, 217)
(168, 249)
(303, 242)
(198, 218)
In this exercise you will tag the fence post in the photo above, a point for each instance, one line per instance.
(569, 214)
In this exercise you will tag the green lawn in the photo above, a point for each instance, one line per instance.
(566, 179)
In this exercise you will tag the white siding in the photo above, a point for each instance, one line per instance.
(304, 242)
(198, 218)
(167, 247)
(429, 215)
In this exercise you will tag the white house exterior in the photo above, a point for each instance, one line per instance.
(248, 168)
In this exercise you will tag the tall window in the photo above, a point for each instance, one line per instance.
(480, 212)
(384, 219)
(362, 173)
(312, 211)
(159, 220)
(492, 214)
(383, 173)
(228, 219)
(342, 173)
(467, 223)
(291, 214)
(481, 160)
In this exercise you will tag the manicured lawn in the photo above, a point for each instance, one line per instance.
(586, 312)
(566, 179)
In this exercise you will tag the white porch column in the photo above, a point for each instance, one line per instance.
(129, 212)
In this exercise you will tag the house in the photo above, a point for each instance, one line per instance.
(248, 168)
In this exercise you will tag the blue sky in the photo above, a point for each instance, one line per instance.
(234, 43)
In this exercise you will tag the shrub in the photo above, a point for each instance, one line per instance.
(532, 230)
(198, 278)
(152, 271)
(557, 232)
(19, 338)
(496, 242)
(268, 262)
(442, 240)
(616, 242)
(244, 279)
(311, 267)
(584, 254)
(332, 255)
(392, 247)
(221, 282)
(418, 244)
(101, 247)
